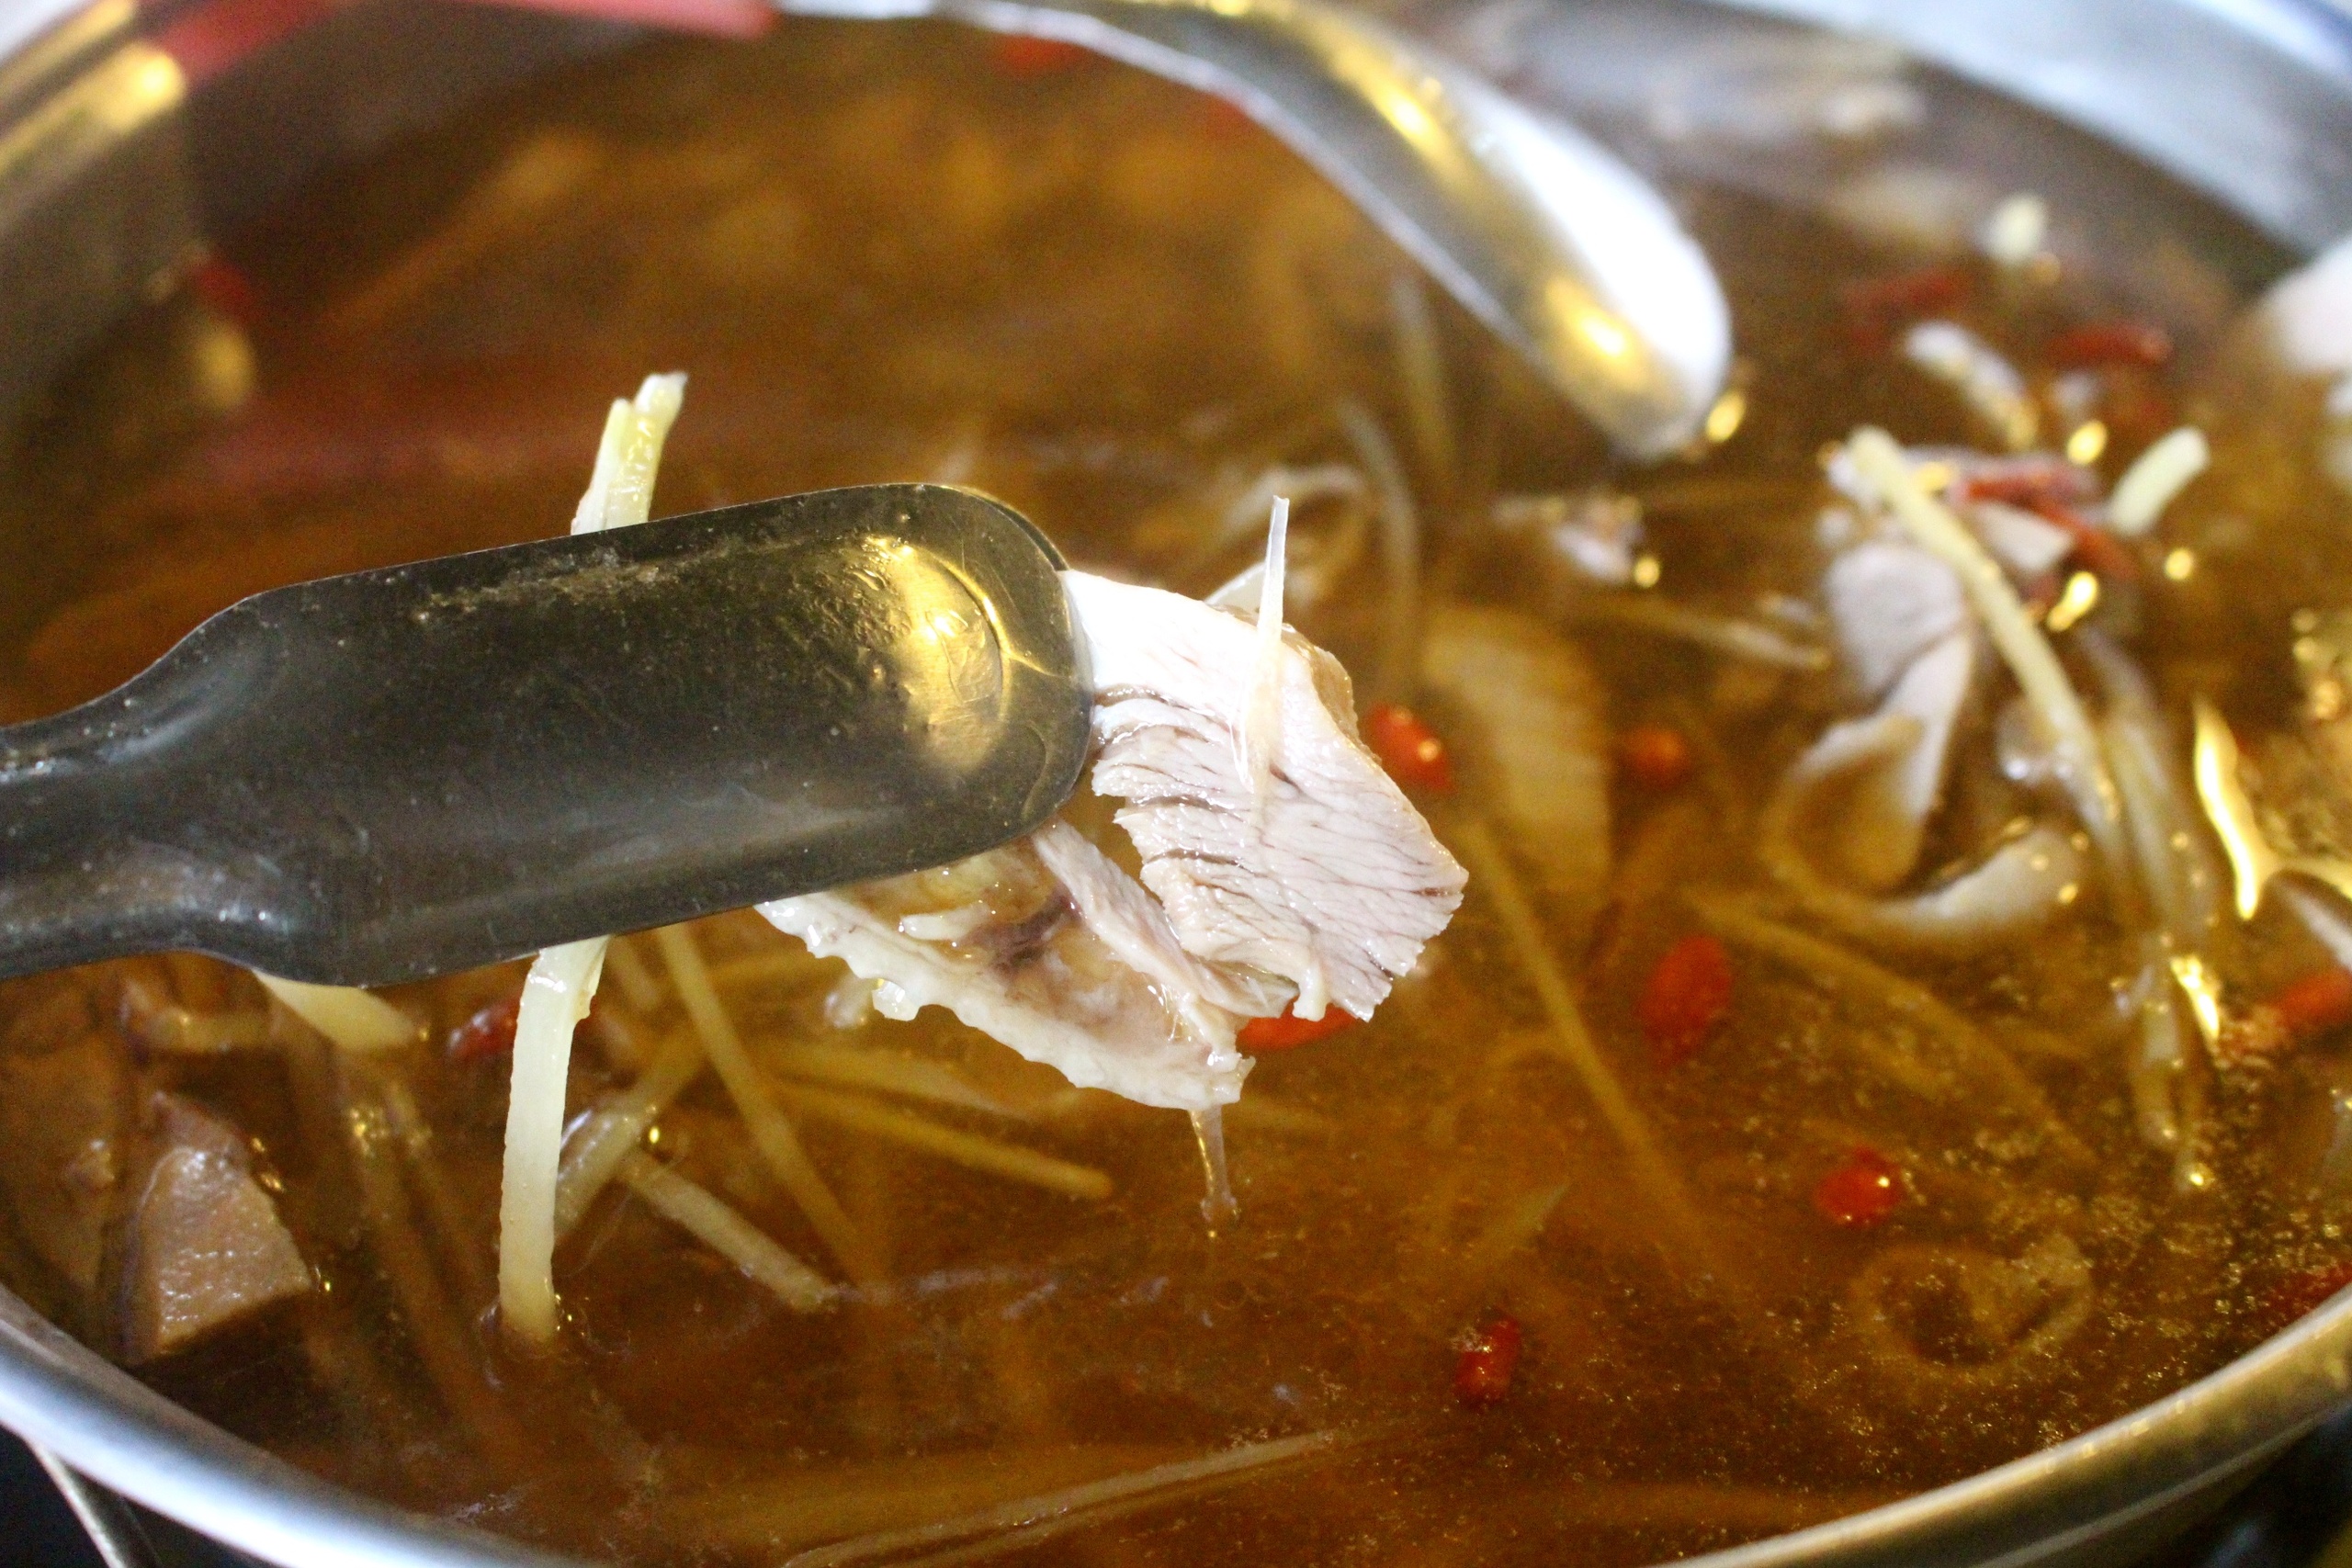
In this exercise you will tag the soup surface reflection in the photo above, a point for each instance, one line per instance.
(1670, 1202)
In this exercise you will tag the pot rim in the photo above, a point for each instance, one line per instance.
(104, 1424)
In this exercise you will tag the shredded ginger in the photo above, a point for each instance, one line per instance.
(562, 981)
(2161, 473)
(354, 1019)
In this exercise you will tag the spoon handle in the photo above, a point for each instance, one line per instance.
(395, 773)
(1555, 245)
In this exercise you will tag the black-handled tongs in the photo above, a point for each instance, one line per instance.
(398, 774)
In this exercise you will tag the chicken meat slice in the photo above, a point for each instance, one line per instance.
(1049, 948)
(1331, 881)
(1881, 820)
(1890, 603)
(1534, 723)
(1317, 890)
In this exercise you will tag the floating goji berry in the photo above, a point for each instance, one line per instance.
(1485, 1361)
(1686, 995)
(1281, 1033)
(1018, 54)
(1655, 756)
(2317, 1004)
(488, 1033)
(2098, 344)
(1409, 749)
(1860, 1191)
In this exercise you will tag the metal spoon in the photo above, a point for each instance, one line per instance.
(1562, 251)
(396, 773)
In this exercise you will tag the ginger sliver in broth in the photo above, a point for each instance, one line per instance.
(1843, 1070)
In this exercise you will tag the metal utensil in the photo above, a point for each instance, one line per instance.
(1554, 244)
(397, 773)
(1561, 250)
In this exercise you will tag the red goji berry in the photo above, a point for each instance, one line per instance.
(2098, 344)
(1409, 749)
(1860, 1192)
(1019, 54)
(1263, 1034)
(2296, 1296)
(1223, 117)
(2027, 481)
(1655, 756)
(1686, 994)
(1485, 1361)
(223, 286)
(2317, 1004)
(2299, 1295)
(2096, 548)
(488, 1033)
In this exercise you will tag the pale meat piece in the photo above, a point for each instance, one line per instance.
(1908, 642)
(1890, 603)
(1882, 822)
(1534, 720)
(1047, 947)
(2027, 547)
(206, 1246)
(63, 1118)
(1323, 889)
(1332, 882)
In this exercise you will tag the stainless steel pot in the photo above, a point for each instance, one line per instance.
(116, 159)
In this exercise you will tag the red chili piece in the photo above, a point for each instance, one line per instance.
(2027, 481)
(1860, 1193)
(2099, 343)
(489, 1032)
(2317, 1004)
(1686, 995)
(1263, 1034)
(1655, 756)
(1482, 1372)
(1409, 749)
(1017, 54)
(2096, 548)
(1875, 306)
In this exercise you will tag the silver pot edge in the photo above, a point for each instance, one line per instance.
(2259, 115)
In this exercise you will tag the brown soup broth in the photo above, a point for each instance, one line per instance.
(901, 253)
